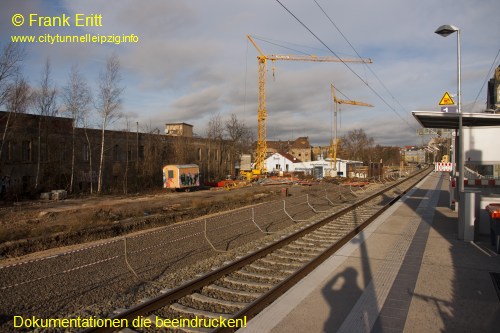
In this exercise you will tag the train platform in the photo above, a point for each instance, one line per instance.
(406, 272)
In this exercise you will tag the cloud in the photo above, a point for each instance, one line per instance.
(193, 59)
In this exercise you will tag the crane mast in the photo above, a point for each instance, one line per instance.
(262, 58)
(334, 141)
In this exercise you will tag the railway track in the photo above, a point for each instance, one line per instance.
(243, 287)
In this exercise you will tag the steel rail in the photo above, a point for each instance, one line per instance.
(259, 304)
(263, 301)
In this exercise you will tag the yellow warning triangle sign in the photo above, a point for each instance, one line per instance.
(446, 100)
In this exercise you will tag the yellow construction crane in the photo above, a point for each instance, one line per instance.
(262, 58)
(334, 141)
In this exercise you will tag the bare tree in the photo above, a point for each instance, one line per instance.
(357, 145)
(14, 90)
(10, 59)
(44, 100)
(215, 128)
(108, 103)
(77, 97)
(85, 121)
(17, 101)
(239, 136)
(215, 136)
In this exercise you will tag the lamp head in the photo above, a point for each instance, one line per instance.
(446, 30)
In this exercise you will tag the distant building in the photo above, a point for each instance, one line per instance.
(280, 162)
(300, 148)
(179, 129)
(324, 168)
(414, 154)
(493, 100)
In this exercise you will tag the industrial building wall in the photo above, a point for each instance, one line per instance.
(132, 161)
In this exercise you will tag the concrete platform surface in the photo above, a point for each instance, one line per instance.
(406, 272)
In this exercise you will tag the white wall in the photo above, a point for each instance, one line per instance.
(278, 159)
(482, 144)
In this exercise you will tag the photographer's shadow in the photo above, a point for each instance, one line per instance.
(341, 293)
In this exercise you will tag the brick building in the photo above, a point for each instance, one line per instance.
(300, 148)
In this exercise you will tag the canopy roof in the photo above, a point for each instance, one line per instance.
(436, 119)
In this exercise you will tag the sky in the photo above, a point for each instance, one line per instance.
(192, 59)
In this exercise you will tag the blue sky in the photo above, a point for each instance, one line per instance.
(193, 59)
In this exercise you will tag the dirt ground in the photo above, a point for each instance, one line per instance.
(32, 226)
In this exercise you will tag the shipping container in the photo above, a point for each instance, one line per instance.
(181, 176)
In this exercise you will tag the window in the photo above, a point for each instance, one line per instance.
(86, 152)
(170, 173)
(12, 150)
(141, 152)
(5, 151)
(26, 151)
(115, 153)
(44, 153)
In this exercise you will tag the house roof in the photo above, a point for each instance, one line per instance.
(176, 124)
(301, 143)
(278, 145)
(290, 157)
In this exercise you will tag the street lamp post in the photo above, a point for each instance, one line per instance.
(446, 30)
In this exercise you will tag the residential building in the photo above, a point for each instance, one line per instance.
(300, 148)
(280, 162)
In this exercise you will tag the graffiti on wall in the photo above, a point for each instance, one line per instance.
(189, 177)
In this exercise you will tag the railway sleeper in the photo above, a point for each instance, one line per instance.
(323, 232)
(259, 277)
(289, 258)
(334, 235)
(280, 264)
(180, 310)
(260, 266)
(231, 282)
(301, 242)
(300, 251)
(258, 269)
(322, 238)
(228, 294)
(211, 304)
(308, 242)
(336, 228)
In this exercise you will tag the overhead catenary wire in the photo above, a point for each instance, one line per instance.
(352, 71)
(354, 49)
(488, 75)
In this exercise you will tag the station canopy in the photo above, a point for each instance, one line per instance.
(437, 119)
